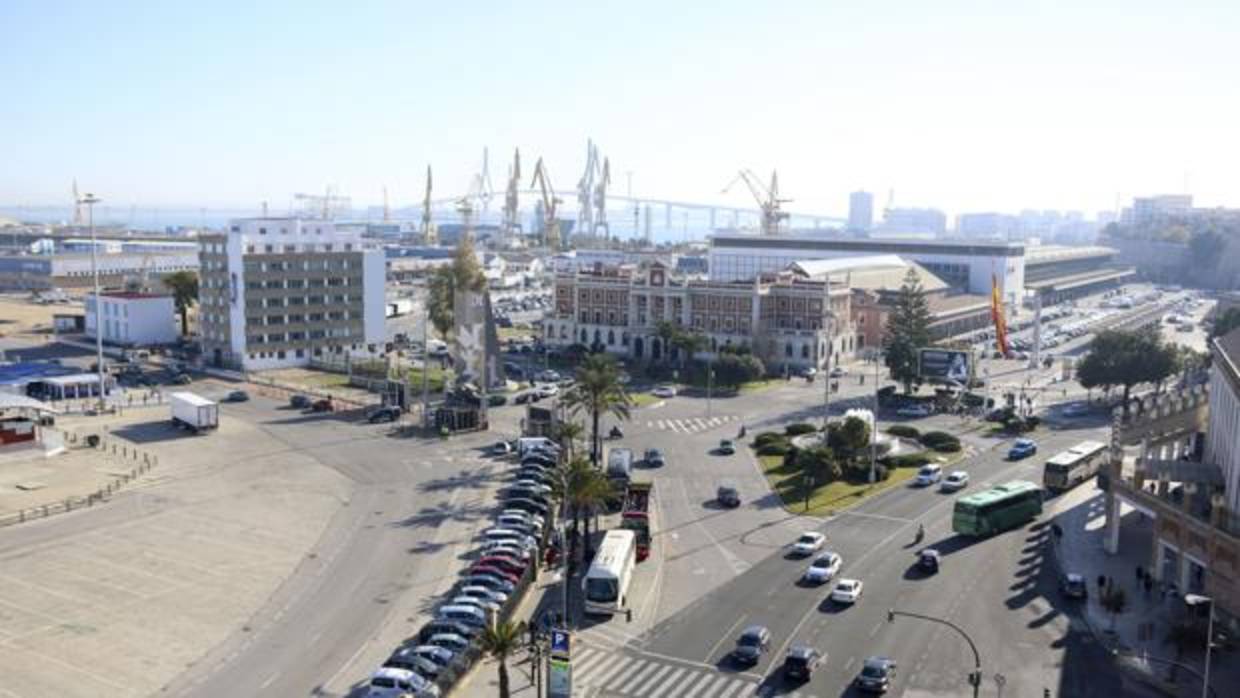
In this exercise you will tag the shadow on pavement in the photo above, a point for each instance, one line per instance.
(150, 432)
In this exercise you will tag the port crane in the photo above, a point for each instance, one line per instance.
(767, 198)
(329, 204)
(429, 236)
(512, 198)
(550, 222)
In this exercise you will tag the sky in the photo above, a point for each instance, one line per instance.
(956, 105)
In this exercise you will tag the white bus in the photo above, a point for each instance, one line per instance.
(1074, 466)
(606, 584)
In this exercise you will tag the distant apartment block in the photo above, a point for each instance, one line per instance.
(914, 221)
(1147, 209)
(132, 319)
(985, 225)
(277, 292)
(860, 211)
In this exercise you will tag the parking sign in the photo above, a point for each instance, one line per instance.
(560, 642)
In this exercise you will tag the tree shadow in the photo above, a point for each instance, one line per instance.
(473, 479)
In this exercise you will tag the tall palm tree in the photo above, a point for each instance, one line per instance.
(598, 391)
(668, 332)
(184, 287)
(689, 343)
(569, 433)
(500, 640)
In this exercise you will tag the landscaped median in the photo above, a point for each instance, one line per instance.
(821, 479)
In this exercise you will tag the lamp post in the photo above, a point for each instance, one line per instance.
(90, 200)
(874, 425)
(1197, 600)
(975, 678)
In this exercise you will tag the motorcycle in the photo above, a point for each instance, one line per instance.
(616, 433)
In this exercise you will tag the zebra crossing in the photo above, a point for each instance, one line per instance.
(690, 425)
(611, 673)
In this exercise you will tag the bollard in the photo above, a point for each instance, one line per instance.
(68, 505)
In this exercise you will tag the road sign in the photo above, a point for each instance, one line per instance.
(561, 642)
(559, 678)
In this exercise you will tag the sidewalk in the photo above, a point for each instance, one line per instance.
(1141, 630)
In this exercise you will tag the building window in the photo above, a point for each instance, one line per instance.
(804, 351)
(788, 350)
(611, 338)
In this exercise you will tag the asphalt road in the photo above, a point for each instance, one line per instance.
(714, 572)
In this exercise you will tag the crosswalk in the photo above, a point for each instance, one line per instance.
(610, 673)
(690, 425)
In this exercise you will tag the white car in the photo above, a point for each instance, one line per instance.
(838, 372)
(547, 390)
(914, 411)
(955, 480)
(534, 485)
(485, 605)
(847, 591)
(398, 683)
(809, 542)
(928, 475)
(664, 391)
(484, 593)
(823, 568)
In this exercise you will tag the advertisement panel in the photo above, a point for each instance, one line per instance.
(945, 365)
(559, 678)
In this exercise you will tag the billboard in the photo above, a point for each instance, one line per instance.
(945, 365)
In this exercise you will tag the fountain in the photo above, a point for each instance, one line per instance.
(887, 445)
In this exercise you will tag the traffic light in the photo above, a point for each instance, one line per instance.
(891, 615)
(975, 678)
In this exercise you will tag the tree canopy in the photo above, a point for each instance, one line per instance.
(466, 273)
(1226, 322)
(184, 287)
(908, 330)
(1126, 358)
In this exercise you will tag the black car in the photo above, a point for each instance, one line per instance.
(751, 644)
(536, 474)
(496, 401)
(876, 675)
(387, 413)
(437, 627)
(801, 662)
(728, 496)
(928, 560)
(524, 493)
(1073, 586)
(299, 402)
(237, 396)
(654, 458)
(406, 659)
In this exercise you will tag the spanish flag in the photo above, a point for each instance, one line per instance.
(996, 315)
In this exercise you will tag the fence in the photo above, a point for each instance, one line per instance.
(284, 391)
(141, 461)
(88, 406)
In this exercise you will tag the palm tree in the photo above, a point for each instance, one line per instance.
(598, 391)
(500, 640)
(568, 434)
(581, 489)
(184, 287)
(667, 332)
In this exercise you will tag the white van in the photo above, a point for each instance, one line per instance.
(467, 615)
(929, 474)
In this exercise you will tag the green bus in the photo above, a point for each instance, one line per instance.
(997, 509)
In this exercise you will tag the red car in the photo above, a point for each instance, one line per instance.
(495, 571)
(503, 562)
(323, 405)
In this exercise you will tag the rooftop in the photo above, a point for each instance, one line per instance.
(133, 295)
(1049, 254)
(872, 272)
(1226, 350)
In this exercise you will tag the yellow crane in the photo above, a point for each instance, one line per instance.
(551, 222)
(512, 198)
(767, 197)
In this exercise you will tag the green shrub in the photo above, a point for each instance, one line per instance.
(933, 439)
(903, 431)
(908, 460)
(881, 472)
(767, 437)
(774, 448)
(947, 447)
(799, 428)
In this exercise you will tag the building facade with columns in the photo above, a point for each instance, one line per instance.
(787, 321)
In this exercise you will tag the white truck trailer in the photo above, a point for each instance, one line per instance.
(194, 411)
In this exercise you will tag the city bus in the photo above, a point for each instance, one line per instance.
(1074, 466)
(606, 584)
(997, 509)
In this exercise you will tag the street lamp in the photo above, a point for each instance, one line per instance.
(1197, 600)
(874, 426)
(975, 678)
(90, 200)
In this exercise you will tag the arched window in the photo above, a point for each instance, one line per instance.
(611, 338)
(598, 337)
(585, 337)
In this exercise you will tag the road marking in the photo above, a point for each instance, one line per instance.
(849, 663)
(692, 687)
(874, 631)
(611, 668)
(642, 688)
(715, 647)
(669, 682)
(880, 517)
(637, 675)
(270, 680)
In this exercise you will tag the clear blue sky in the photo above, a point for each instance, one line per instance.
(951, 104)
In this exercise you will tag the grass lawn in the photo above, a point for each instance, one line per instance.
(434, 379)
(755, 386)
(323, 379)
(643, 399)
(826, 499)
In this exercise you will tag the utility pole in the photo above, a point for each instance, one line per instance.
(90, 200)
(426, 366)
(874, 426)
(975, 678)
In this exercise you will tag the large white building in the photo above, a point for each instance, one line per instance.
(133, 319)
(277, 292)
(965, 266)
(1223, 437)
(860, 210)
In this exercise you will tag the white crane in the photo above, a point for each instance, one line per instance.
(600, 200)
(430, 236)
(767, 198)
(550, 223)
(512, 198)
(585, 190)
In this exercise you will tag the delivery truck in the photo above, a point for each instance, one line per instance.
(194, 412)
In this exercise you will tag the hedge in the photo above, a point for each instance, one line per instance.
(799, 428)
(774, 448)
(935, 438)
(947, 447)
(903, 431)
(767, 437)
(908, 460)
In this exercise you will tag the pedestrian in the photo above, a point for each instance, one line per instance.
(1102, 581)
(1149, 584)
(1140, 574)
(628, 615)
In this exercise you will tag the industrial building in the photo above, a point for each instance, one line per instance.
(72, 270)
(276, 292)
(1058, 273)
(133, 318)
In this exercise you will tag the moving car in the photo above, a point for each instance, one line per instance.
(801, 662)
(751, 644)
(1023, 448)
(913, 411)
(847, 591)
(808, 372)
(1073, 586)
(728, 496)
(823, 568)
(182, 379)
(547, 390)
(809, 542)
(1076, 409)
(726, 447)
(237, 396)
(955, 480)
(664, 391)
(654, 458)
(876, 675)
(299, 402)
(928, 560)
(929, 474)
(838, 372)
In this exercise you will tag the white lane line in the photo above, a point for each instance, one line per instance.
(643, 688)
(669, 682)
(638, 675)
(589, 659)
(734, 688)
(874, 631)
(270, 680)
(609, 669)
(709, 679)
(724, 637)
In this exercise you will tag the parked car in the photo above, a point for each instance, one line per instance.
(755, 640)
(182, 379)
(441, 626)
(547, 390)
(914, 411)
(237, 396)
(808, 542)
(299, 402)
(727, 447)
(664, 391)
(437, 654)
(387, 413)
(449, 641)
(801, 662)
(400, 683)
(405, 658)
(838, 372)
(1076, 409)
(1023, 448)
(654, 458)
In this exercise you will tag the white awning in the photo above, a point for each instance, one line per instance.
(10, 401)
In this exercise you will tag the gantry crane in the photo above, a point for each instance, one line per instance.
(600, 200)
(550, 222)
(512, 198)
(767, 198)
(329, 204)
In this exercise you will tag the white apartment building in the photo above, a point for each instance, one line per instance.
(133, 319)
(277, 292)
(1223, 436)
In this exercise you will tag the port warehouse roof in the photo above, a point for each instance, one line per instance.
(25, 372)
(13, 401)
